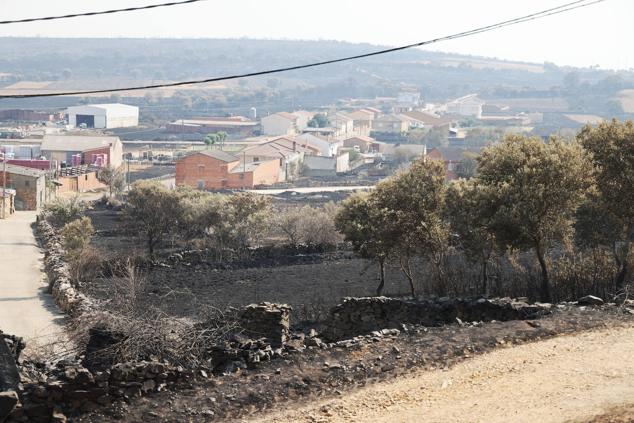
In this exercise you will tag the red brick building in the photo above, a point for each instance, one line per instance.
(215, 169)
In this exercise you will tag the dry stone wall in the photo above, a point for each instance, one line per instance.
(66, 296)
(358, 316)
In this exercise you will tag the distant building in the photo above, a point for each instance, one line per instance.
(363, 144)
(303, 117)
(215, 169)
(103, 116)
(281, 123)
(287, 151)
(392, 124)
(420, 119)
(317, 166)
(233, 125)
(342, 124)
(29, 186)
(328, 147)
(468, 106)
(407, 100)
(362, 121)
(66, 149)
(21, 115)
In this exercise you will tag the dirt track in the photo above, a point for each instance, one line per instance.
(569, 378)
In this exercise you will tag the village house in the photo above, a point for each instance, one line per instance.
(288, 152)
(318, 166)
(326, 147)
(29, 185)
(391, 124)
(362, 121)
(469, 106)
(216, 169)
(362, 144)
(419, 119)
(342, 124)
(68, 150)
(303, 117)
(281, 123)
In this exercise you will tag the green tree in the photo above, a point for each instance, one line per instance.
(611, 146)
(465, 208)
(411, 206)
(113, 178)
(320, 120)
(533, 190)
(211, 140)
(153, 211)
(362, 224)
(467, 166)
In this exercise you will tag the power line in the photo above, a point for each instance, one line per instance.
(526, 18)
(103, 12)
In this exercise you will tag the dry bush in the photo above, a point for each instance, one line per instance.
(314, 227)
(62, 211)
(143, 332)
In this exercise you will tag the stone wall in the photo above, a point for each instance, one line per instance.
(266, 320)
(66, 296)
(356, 316)
(50, 394)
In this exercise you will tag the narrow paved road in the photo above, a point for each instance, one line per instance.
(26, 309)
(564, 379)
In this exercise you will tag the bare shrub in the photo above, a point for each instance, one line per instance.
(62, 210)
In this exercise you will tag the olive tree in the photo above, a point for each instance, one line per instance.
(465, 208)
(154, 211)
(533, 191)
(113, 178)
(611, 147)
(363, 225)
(411, 204)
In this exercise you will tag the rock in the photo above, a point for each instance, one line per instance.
(589, 300)
(8, 401)
(58, 417)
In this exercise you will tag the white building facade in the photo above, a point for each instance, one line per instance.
(103, 116)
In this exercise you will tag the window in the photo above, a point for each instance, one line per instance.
(201, 169)
(27, 183)
(85, 177)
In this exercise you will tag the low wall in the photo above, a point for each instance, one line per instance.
(67, 298)
(357, 316)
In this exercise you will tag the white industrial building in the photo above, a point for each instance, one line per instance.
(103, 116)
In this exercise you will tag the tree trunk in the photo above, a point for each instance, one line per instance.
(544, 291)
(150, 245)
(485, 276)
(621, 263)
(407, 271)
(379, 289)
(620, 277)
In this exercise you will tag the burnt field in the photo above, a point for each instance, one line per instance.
(311, 282)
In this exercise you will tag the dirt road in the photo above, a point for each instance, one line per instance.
(568, 378)
(26, 310)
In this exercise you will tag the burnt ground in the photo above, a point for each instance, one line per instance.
(310, 282)
(329, 372)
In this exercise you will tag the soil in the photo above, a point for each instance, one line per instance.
(447, 365)
(562, 379)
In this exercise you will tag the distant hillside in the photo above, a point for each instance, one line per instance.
(67, 64)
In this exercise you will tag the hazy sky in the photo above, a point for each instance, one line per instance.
(598, 35)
